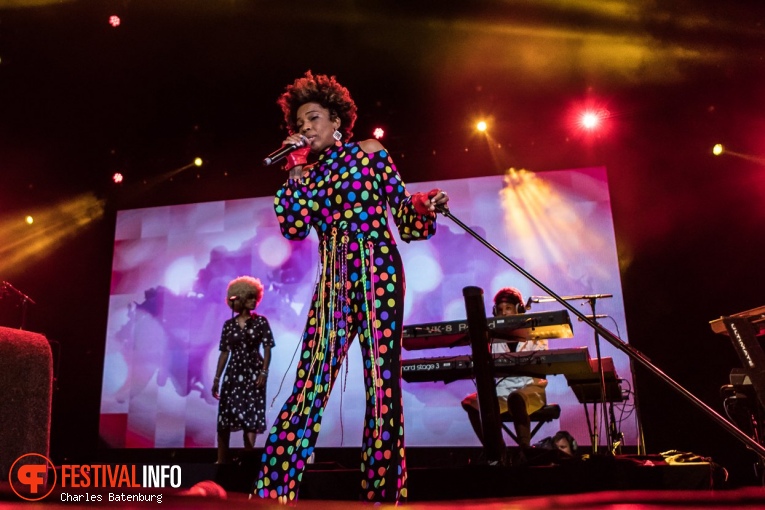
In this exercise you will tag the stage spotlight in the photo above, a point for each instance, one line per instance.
(481, 126)
(719, 150)
(114, 21)
(117, 178)
(378, 133)
(591, 120)
(44, 231)
(198, 161)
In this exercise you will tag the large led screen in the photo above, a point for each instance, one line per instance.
(172, 264)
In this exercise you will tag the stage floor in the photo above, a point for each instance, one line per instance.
(742, 498)
(627, 481)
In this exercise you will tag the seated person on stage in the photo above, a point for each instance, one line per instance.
(565, 442)
(518, 395)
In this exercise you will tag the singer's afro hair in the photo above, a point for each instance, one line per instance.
(241, 287)
(321, 89)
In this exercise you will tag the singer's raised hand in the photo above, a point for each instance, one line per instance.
(440, 201)
(297, 158)
(290, 144)
(431, 202)
(296, 139)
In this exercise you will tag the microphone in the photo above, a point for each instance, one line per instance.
(598, 316)
(283, 152)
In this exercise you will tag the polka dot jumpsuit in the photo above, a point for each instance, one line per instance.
(345, 197)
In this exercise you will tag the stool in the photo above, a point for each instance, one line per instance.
(547, 414)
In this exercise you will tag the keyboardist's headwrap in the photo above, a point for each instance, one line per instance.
(510, 295)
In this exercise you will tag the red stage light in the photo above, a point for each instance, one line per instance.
(378, 133)
(114, 21)
(117, 178)
(593, 119)
(590, 120)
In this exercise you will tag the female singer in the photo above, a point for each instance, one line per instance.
(344, 190)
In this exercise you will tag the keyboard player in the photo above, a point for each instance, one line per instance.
(520, 395)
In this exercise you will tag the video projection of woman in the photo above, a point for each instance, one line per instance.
(171, 265)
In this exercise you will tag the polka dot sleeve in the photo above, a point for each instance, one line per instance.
(412, 226)
(225, 336)
(293, 207)
(266, 336)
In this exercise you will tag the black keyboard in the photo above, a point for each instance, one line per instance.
(573, 361)
(522, 327)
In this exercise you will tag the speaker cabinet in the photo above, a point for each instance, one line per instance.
(26, 389)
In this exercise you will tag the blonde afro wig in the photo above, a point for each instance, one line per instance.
(242, 287)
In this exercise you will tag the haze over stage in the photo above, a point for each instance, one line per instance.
(83, 100)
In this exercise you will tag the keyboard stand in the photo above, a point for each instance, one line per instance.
(483, 370)
(743, 334)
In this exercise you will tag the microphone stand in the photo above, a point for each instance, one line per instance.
(617, 342)
(596, 426)
(606, 426)
(24, 301)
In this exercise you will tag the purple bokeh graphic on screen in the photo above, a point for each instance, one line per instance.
(167, 305)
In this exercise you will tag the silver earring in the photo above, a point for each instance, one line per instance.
(337, 135)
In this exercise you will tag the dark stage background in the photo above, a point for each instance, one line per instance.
(177, 79)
